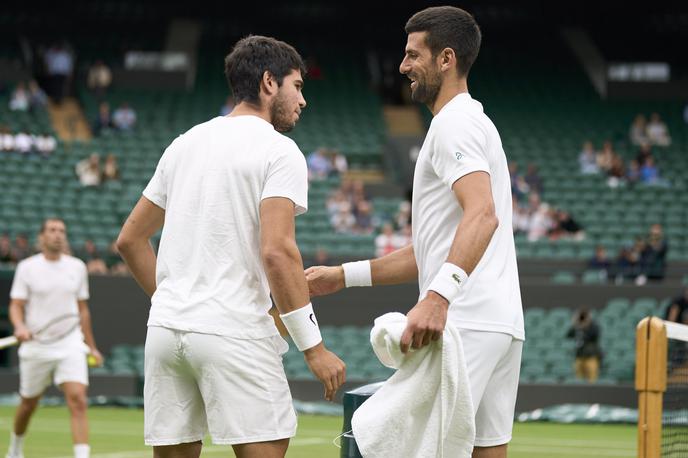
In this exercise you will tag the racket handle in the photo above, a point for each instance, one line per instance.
(8, 342)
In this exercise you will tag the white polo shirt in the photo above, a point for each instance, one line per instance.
(461, 140)
(51, 289)
(210, 181)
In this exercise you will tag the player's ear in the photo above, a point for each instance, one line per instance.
(268, 83)
(447, 59)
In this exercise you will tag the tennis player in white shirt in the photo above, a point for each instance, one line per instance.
(46, 287)
(225, 194)
(463, 254)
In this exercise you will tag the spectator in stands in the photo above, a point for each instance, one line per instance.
(520, 218)
(385, 242)
(358, 192)
(21, 248)
(633, 172)
(649, 173)
(365, 220)
(541, 222)
(564, 226)
(99, 79)
(588, 160)
(638, 131)
(59, 64)
(110, 168)
(343, 221)
(617, 172)
(124, 118)
(6, 139)
(403, 216)
(94, 262)
(37, 97)
(45, 144)
(19, 100)
(23, 142)
(89, 171)
(605, 157)
(678, 309)
(319, 164)
(103, 122)
(588, 353)
(227, 107)
(600, 261)
(533, 179)
(339, 163)
(644, 151)
(7, 256)
(336, 201)
(653, 256)
(519, 187)
(657, 131)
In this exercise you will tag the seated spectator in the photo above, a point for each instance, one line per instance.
(110, 168)
(365, 220)
(633, 172)
(644, 152)
(336, 201)
(124, 118)
(94, 262)
(617, 172)
(99, 79)
(403, 216)
(385, 242)
(19, 100)
(605, 157)
(569, 226)
(23, 143)
(627, 265)
(653, 256)
(678, 310)
(657, 131)
(649, 173)
(343, 221)
(520, 217)
(358, 192)
(319, 165)
(6, 139)
(588, 353)
(103, 122)
(7, 256)
(37, 97)
(519, 187)
(227, 107)
(21, 248)
(541, 222)
(89, 171)
(45, 144)
(588, 160)
(600, 261)
(339, 163)
(533, 179)
(638, 131)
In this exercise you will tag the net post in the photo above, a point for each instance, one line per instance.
(650, 383)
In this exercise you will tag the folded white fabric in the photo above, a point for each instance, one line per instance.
(425, 409)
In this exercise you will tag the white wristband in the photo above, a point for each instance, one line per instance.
(448, 281)
(357, 274)
(303, 327)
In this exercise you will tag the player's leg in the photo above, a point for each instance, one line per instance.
(71, 375)
(493, 362)
(246, 393)
(174, 415)
(34, 377)
(271, 449)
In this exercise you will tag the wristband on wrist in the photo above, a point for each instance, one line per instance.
(303, 327)
(357, 274)
(448, 281)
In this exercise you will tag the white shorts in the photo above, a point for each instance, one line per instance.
(236, 389)
(35, 375)
(493, 360)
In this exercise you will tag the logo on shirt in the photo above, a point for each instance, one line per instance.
(458, 155)
(456, 276)
(312, 318)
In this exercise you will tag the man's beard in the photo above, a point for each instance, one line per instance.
(427, 91)
(281, 119)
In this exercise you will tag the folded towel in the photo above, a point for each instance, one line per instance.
(425, 409)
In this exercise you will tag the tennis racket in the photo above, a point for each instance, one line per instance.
(54, 330)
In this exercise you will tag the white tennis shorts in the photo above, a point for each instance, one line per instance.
(35, 375)
(236, 389)
(493, 360)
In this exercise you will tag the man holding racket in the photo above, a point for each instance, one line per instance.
(49, 312)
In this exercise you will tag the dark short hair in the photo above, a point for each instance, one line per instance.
(44, 224)
(449, 27)
(254, 55)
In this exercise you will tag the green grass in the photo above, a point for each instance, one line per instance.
(118, 433)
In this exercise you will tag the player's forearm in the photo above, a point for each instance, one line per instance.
(86, 328)
(284, 269)
(140, 258)
(395, 268)
(16, 314)
(472, 238)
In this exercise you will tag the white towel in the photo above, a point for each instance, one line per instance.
(425, 409)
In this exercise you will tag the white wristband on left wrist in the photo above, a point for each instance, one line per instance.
(449, 281)
(303, 327)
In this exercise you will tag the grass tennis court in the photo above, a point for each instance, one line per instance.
(118, 433)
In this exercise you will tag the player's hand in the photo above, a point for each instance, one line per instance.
(95, 358)
(22, 333)
(327, 368)
(426, 321)
(324, 280)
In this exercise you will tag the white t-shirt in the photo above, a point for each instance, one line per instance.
(210, 181)
(461, 140)
(51, 289)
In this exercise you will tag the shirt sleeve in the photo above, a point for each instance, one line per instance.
(460, 148)
(20, 287)
(82, 294)
(156, 191)
(287, 176)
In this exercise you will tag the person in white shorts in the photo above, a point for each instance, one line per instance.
(462, 250)
(47, 286)
(226, 194)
